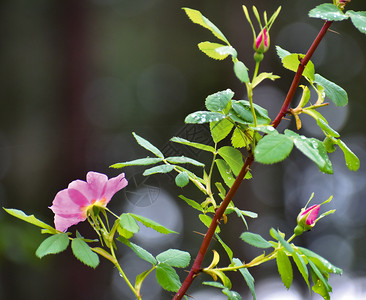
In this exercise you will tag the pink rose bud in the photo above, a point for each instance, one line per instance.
(306, 219)
(261, 44)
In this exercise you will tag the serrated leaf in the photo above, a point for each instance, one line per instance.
(284, 268)
(352, 161)
(262, 76)
(300, 263)
(129, 223)
(292, 63)
(138, 162)
(197, 18)
(219, 101)
(205, 219)
(241, 71)
(282, 52)
(227, 50)
(182, 179)
(221, 129)
(210, 50)
(327, 11)
(192, 203)
(247, 276)
(29, 218)
(139, 251)
(279, 236)
(193, 144)
(334, 92)
(225, 172)
(273, 148)
(53, 244)
(174, 258)
(158, 169)
(152, 224)
(358, 19)
(233, 157)
(238, 139)
(320, 262)
(147, 145)
(227, 249)
(82, 252)
(184, 160)
(201, 117)
(255, 240)
(320, 284)
(167, 277)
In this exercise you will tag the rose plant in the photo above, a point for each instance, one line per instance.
(253, 138)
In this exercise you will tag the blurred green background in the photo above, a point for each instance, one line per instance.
(78, 76)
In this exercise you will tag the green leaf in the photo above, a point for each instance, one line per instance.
(255, 240)
(205, 219)
(83, 253)
(192, 203)
(313, 149)
(327, 11)
(174, 258)
(129, 223)
(219, 101)
(200, 117)
(214, 284)
(305, 96)
(277, 235)
(241, 71)
(158, 169)
(262, 76)
(332, 91)
(138, 162)
(220, 129)
(53, 244)
(326, 128)
(282, 52)
(30, 219)
(233, 157)
(284, 268)
(242, 109)
(184, 160)
(167, 278)
(268, 129)
(273, 148)
(292, 63)
(152, 224)
(147, 145)
(193, 144)
(197, 18)
(239, 139)
(225, 172)
(320, 283)
(139, 251)
(329, 144)
(210, 50)
(320, 262)
(231, 295)
(226, 247)
(182, 179)
(300, 263)
(352, 161)
(247, 276)
(140, 279)
(227, 50)
(358, 19)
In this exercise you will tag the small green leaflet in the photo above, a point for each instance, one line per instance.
(358, 19)
(30, 219)
(292, 63)
(278, 236)
(262, 76)
(320, 261)
(83, 253)
(205, 219)
(193, 144)
(53, 244)
(174, 258)
(129, 223)
(284, 268)
(233, 157)
(139, 251)
(226, 247)
(225, 172)
(332, 91)
(255, 240)
(247, 276)
(352, 161)
(220, 129)
(147, 145)
(182, 179)
(192, 203)
(326, 128)
(138, 162)
(201, 117)
(219, 101)
(158, 169)
(241, 71)
(327, 11)
(273, 148)
(211, 50)
(167, 277)
(152, 224)
(300, 263)
(282, 52)
(197, 18)
(184, 160)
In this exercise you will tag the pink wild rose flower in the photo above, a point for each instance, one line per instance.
(71, 205)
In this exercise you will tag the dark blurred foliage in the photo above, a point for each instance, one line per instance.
(78, 76)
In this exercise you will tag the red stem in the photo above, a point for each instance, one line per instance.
(196, 267)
